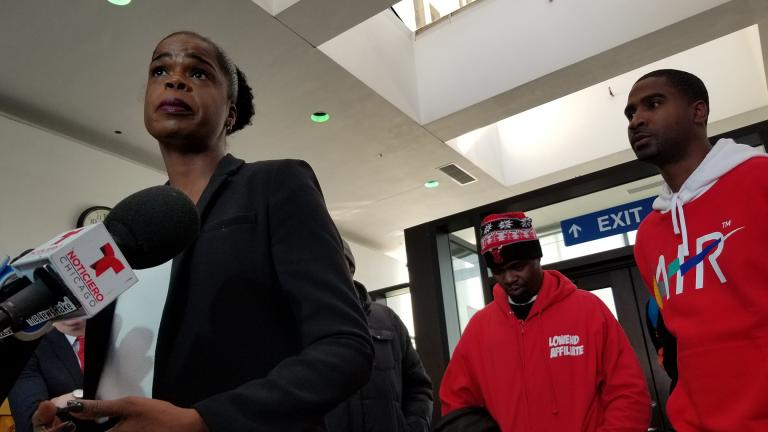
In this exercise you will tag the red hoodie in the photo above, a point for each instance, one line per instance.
(567, 367)
(703, 258)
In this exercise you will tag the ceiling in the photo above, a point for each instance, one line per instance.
(731, 66)
(78, 68)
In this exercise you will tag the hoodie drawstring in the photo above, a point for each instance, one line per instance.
(723, 157)
(678, 222)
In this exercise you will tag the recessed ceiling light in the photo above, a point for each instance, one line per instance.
(320, 117)
(119, 2)
(431, 184)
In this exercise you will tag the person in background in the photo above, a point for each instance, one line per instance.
(55, 373)
(700, 253)
(398, 397)
(544, 356)
(261, 329)
(664, 343)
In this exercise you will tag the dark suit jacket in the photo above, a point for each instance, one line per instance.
(52, 371)
(13, 360)
(261, 329)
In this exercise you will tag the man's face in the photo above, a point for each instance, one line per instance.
(521, 279)
(662, 121)
(73, 327)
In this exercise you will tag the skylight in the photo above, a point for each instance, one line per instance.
(417, 14)
(588, 125)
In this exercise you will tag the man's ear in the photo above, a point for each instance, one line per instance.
(700, 112)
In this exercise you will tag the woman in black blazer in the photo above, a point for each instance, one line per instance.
(261, 329)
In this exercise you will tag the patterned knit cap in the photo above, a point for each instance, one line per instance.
(508, 237)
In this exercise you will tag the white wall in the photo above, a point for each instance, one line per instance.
(491, 47)
(376, 270)
(274, 7)
(379, 52)
(524, 40)
(484, 148)
(589, 124)
(48, 180)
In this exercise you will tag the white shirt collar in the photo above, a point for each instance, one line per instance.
(533, 299)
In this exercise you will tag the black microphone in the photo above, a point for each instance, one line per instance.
(78, 273)
(149, 228)
(153, 225)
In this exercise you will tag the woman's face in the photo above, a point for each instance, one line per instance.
(186, 102)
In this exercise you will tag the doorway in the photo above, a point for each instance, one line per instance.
(614, 277)
(437, 259)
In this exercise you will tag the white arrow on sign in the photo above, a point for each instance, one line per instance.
(574, 230)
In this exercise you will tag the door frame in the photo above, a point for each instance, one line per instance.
(615, 268)
(429, 260)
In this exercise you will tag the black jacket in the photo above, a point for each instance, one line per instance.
(52, 371)
(14, 355)
(470, 419)
(398, 396)
(261, 329)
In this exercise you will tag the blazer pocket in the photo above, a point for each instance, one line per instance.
(228, 222)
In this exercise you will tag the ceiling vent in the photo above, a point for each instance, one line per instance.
(458, 174)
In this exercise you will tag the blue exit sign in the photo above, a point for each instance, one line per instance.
(605, 223)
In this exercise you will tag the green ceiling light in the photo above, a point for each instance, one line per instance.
(119, 2)
(431, 184)
(320, 117)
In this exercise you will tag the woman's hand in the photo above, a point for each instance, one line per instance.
(44, 419)
(138, 414)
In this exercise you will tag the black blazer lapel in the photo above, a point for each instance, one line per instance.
(176, 300)
(228, 166)
(98, 331)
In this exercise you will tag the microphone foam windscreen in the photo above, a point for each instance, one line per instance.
(153, 225)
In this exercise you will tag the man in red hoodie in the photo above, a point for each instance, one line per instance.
(701, 254)
(544, 356)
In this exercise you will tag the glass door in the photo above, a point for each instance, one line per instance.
(624, 293)
(462, 289)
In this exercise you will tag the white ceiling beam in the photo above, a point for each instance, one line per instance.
(686, 34)
(320, 21)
